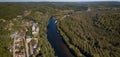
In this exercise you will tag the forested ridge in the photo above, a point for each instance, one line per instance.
(88, 29)
(94, 34)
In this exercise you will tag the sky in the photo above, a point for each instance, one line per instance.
(53, 0)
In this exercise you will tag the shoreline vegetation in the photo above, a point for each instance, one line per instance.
(88, 29)
(81, 37)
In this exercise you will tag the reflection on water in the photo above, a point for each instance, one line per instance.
(56, 41)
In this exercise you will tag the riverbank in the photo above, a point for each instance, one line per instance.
(56, 40)
(75, 51)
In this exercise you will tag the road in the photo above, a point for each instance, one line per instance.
(18, 45)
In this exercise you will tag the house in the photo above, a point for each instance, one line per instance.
(35, 29)
(31, 44)
(28, 39)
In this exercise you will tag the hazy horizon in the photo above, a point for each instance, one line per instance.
(56, 1)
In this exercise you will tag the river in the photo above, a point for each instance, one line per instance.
(55, 39)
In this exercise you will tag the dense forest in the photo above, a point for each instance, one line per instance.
(88, 29)
(94, 34)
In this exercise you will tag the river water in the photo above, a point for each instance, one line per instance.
(55, 39)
